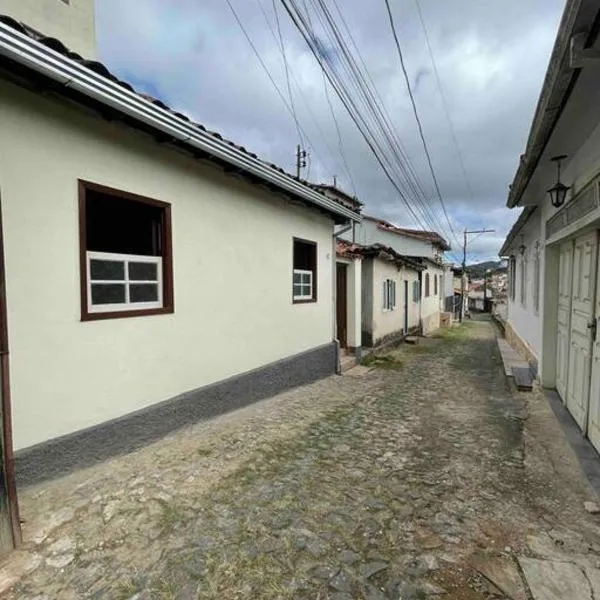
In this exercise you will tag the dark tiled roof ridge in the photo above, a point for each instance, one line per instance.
(100, 69)
(347, 248)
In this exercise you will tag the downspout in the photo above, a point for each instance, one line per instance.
(336, 234)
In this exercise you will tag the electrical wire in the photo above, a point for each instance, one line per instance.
(418, 120)
(444, 102)
(265, 68)
(361, 104)
(290, 74)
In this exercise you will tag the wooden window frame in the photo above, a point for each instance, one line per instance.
(389, 295)
(427, 289)
(168, 306)
(313, 299)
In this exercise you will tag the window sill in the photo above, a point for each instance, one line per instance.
(310, 301)
(123, 314)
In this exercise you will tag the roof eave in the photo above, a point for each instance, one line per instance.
(39, 59)
(560, 79)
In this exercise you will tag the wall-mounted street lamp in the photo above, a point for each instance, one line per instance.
(558, 192)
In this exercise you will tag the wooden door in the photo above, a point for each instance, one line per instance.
(594, 403)
(565, 282)
(342, 304)
(585, 255)
(10, 533)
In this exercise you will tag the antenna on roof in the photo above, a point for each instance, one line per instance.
(335, 181)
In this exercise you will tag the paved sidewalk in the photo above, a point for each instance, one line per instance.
(423, 477)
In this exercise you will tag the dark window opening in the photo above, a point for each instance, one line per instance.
(125, 247)
(304, 283)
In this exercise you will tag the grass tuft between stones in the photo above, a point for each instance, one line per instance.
(382, 361)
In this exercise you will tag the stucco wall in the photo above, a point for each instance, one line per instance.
(367, 233)
(384, 324)
(73, 23)
(431, 305)
(232, 262)
(524, 320)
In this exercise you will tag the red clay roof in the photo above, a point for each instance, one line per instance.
(346, 249)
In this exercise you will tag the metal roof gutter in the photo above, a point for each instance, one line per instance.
(40, 59)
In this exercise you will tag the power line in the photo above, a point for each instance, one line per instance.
(373, 99)
(369, 117)
(445, 103)
(265, 68)
(416, 113)
(339, 135)
(289, 73)
(346, 99)
(286, 68)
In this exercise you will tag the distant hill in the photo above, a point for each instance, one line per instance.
(479, 269)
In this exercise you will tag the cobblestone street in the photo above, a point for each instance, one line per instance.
(420, 477)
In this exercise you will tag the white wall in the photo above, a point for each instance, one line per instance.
(430, 309)
(73, 23)
(232, 261)
(387, 322)
(523, 318)
(368, 233)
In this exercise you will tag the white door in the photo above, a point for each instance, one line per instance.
(583, 301)
(565, 280)
(594, 410)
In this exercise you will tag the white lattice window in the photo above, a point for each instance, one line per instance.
(123, 282)
(303, 284)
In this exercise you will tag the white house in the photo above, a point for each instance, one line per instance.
(390, 292)
(348, 292)
(554, 292)
(155, 273)
(426, 246)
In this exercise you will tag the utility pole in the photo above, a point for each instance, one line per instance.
(464, 268)
(300, 160)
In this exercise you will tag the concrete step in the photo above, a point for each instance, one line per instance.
(523, 378)
(515, 365)
(347, 361)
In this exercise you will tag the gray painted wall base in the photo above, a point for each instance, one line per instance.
(585, 452)
(89, 446)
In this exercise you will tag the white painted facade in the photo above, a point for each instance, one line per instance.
(353, 301)
(523, 315)
(70, 21)
(232, 264)
(563, 336)
(432, 303)
(367, 233)
(380, 323)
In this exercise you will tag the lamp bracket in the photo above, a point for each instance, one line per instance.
(580, 56)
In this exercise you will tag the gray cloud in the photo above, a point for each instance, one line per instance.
(491, 58)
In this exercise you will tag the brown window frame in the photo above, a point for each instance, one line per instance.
(167, 262)
(314, 273)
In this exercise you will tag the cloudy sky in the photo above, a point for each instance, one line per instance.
(491, 58)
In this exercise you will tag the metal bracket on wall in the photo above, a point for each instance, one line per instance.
(582, 56)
